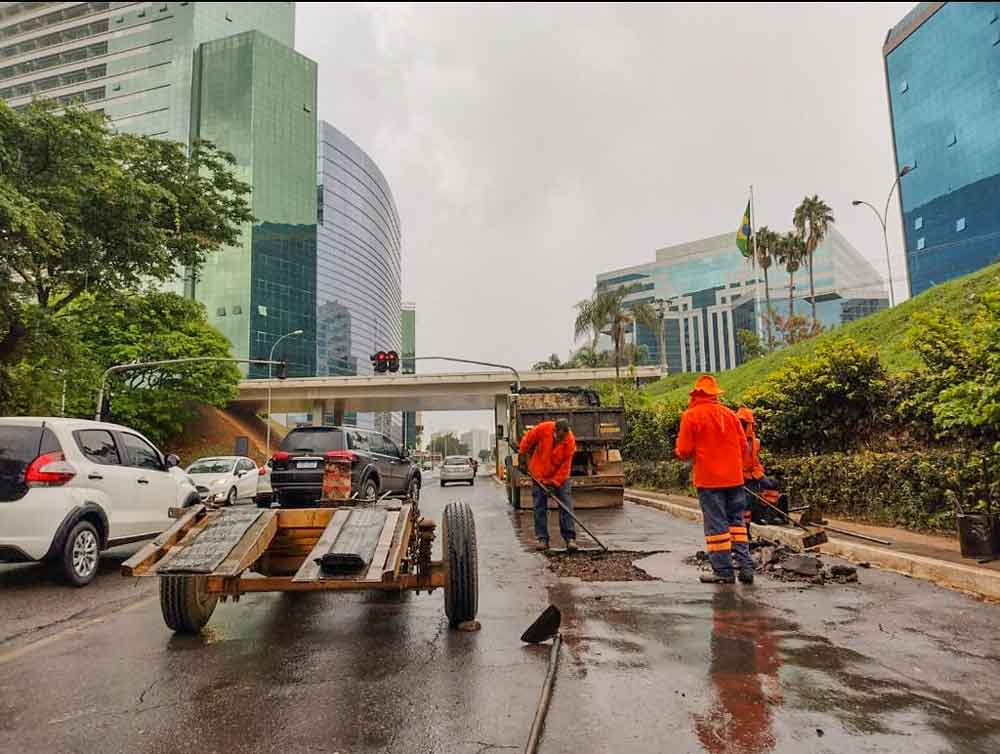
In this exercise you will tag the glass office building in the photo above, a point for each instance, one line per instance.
(358, 265)
(707, 292)
(942, 65)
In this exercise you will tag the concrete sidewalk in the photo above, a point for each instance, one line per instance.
(921, 556)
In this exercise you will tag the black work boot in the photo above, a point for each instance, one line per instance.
(717, 578)
(746, 575)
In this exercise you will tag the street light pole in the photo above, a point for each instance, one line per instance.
(882, 221)
(270, 361)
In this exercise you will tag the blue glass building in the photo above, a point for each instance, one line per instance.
(706, 293)
(358, 267)
(942, 65)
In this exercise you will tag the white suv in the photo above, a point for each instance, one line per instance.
(70, 488)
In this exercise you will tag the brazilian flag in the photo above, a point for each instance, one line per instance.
(743, 234)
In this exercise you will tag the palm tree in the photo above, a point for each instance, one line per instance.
(607, 312)
(813, 219)
(791, 251)
(766, 242)
(588, 358)
(553, 362)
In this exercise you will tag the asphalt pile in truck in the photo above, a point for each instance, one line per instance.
(781, 562)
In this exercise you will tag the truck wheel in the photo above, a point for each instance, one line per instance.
(461, 593)
(513, 489)
(185, 603)
(80, 554)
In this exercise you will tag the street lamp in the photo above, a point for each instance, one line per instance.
(270, 359)
(882, 221)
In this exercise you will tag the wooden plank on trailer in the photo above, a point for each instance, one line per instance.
(305, 518)
(189, 537)
(395, 560)
(250, 546)
(382, 548)
(214, 543)
(356, 544)
(150, 553)
(309, 571)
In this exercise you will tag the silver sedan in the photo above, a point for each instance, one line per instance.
(457, 469)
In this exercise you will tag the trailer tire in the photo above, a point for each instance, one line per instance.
(461, 592)
(185, 604)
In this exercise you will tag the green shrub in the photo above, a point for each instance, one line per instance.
(914, 490)
(651, 433)
(824, 402)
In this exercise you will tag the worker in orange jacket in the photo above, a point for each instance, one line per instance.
(753, 469)
(551, 446)
(711, 436)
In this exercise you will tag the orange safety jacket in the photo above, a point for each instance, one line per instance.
(752, 467)
(550, 463)
(713, 438)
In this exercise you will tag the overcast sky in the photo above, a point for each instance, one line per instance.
(530, 147)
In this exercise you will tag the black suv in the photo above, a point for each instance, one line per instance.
(377, 464)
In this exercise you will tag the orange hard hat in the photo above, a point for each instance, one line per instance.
(706, 384)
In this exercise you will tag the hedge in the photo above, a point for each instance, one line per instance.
(917, 490)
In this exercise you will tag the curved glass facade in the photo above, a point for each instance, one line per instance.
(942, 65)
(358, 262)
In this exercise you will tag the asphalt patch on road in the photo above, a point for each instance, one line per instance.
(783, 563)
(615, 565)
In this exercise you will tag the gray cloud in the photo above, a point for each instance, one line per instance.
(530, 147)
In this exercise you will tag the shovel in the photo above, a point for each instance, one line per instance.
(545, 627)
(571, 515)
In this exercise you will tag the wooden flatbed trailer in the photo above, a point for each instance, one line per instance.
(211, 554)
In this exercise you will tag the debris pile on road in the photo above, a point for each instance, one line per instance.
(599, 566)
(785, 564)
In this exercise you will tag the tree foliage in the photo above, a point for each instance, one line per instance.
(813, 220)
(84, 208)
(448, 445)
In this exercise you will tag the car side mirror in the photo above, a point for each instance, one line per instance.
(172, 460)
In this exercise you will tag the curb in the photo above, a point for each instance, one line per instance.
(980, 582)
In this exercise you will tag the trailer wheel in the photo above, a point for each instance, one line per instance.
(461, 593)
(185, 604)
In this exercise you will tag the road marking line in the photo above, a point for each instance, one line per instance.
(15, 654)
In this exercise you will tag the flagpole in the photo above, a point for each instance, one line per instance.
(753, 266)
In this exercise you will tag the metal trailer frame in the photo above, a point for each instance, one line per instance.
(282, 548)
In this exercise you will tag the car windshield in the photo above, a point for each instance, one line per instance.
(211, 466)
(313, 440)
(456, 461)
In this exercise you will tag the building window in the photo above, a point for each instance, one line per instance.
(237, 309)
(220, 312)
(261, 310)
(904, 86)
(960, 225)
(918, 223)
(920, 243)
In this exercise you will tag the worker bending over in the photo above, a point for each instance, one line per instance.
(711, 436)
(551, 446)
(753, 469)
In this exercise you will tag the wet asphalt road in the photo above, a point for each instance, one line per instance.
(892, 665)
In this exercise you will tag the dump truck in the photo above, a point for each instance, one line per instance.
(597, 475)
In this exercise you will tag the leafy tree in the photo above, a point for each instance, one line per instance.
(448, 445)
(84, 208)
(553, 362)
(767, 244)
(588, 358)
(484, 455)
(813, 219)
(154, 327)
(794, 329)
(749, 343)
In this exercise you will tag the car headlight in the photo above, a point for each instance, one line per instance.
(220, 482)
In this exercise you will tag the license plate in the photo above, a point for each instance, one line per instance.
(308, 464)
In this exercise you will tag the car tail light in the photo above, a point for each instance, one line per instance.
(49, 470)
(348, 455)
(281, 456)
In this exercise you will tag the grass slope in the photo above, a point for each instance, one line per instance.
(885, 331)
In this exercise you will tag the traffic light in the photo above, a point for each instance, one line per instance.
(385, 361)
(283, 369)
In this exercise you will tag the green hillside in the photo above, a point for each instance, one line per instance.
(885, 331)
